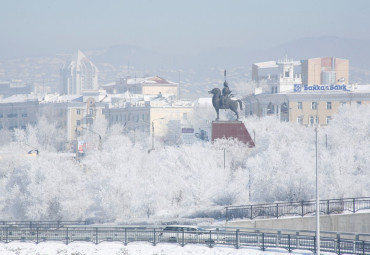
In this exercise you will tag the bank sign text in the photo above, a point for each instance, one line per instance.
(299, 87)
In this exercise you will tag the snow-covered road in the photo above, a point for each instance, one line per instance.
(107, 248)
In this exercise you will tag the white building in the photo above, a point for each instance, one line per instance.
(78, 76)
(280, 76)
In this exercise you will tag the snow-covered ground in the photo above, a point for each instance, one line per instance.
(139, 248)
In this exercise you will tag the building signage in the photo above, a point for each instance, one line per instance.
(300, 88)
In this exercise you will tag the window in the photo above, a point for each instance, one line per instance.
(328, 105)
(12, 115)
(300, 105)
(317, 119)
(91, 111)
(24, 115)
(78, 111)
(287, 74)
(314, 106)
(311, 120)
(78, 122)
(328, 119)
(300, 119)
(358, 102)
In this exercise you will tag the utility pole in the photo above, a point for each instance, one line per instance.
(153, 135)
(76, 146)
(317, 206)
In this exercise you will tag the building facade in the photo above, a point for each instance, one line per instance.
(78, 76)
(133, 116)
(145, 86)
(325, 71)
(18, 114)
(306, 108)
(279, 76)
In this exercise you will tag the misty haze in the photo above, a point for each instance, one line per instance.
(216, 120)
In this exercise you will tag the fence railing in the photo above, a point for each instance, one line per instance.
(40, 224)
(236, 238)
(303, 208)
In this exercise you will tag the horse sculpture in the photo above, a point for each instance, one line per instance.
(228, 103)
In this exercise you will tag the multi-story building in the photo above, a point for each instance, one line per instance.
(325, 71)
(73, 114)
(14, 87)
(18, 111)
(78, 76)
(134, 115)
(165, 113)
(308, 91)
(305, 108)
(146, 86)
(279, 76)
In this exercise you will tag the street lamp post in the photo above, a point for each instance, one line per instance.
(76, 146)
(153, 134)
(100, 140)
(317, 178)
(317, 205)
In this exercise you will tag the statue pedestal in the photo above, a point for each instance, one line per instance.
(231, 129)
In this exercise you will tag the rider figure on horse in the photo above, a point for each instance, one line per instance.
(225, 93)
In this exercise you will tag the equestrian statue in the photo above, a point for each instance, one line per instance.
(223, 101)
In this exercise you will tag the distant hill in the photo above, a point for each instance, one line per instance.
(196, 73)
(357, 51)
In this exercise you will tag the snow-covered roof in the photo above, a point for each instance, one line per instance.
(19, 98)
(203, 102)
(55, 98)
(361, 88)
(266, 64)
(273, 64)
(154, 80)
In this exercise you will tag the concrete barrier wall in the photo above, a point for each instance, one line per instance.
(355, 223)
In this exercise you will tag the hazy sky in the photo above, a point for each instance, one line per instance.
(188, 26)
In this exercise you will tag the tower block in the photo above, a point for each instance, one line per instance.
(231, 129)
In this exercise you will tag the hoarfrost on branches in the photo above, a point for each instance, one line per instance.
(122, 181)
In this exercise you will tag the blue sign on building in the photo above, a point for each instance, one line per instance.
(298, 87)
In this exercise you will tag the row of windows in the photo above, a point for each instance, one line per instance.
(91, 111)
(89, 121)
(312, 119)
(129, 117)
(315, 104)
(14, 115)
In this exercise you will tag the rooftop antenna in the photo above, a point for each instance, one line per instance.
(225, 74)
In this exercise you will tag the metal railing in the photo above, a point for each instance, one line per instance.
(303, 208)
(237, 238)
(40, 224)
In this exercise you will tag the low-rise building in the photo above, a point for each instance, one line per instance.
(18, 111)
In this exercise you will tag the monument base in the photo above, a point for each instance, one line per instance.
(231, 129)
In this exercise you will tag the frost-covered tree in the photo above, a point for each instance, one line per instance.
(123, 181)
